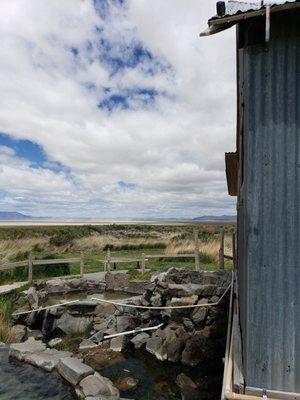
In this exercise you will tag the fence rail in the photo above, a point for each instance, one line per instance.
(4, 266)
(141, 261)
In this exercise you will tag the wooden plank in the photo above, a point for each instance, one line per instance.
(221, 251)
(143, 263)
(234, 250)
(228, 257)
(124, 260)
(56, 261)
(238, 377)
(108, 260)
(81, 265)
(197, 255)
(5, 266)
(231, 163)
(30, 268)
(171, 256)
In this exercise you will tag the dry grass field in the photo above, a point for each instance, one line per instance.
(42, 242)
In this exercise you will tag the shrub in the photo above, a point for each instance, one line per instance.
(206, 258)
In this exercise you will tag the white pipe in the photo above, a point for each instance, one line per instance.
(228, 338)
(123, 305)
(116, 303)
(132, 332)
(151, 328)
(45, 308)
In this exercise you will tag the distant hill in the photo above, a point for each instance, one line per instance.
(229, 218)
(13, 216)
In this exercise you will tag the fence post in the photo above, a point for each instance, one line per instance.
(197, 256)
(221, 252)
(81, 265)
(234, 250)
(143, 263)
(108, 260)
(30, 268)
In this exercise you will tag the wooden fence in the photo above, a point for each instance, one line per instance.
(30, 263)
(109, 260)
(141, 261)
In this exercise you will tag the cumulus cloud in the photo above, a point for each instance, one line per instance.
(116, 91)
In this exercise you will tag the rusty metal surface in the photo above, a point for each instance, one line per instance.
(269, 209)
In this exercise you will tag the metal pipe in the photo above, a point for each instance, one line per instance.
(230, 395)
(45, 308)
(116, 303)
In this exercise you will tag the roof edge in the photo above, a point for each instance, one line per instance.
(216, 25)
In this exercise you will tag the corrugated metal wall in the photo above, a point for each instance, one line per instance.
(269, 208)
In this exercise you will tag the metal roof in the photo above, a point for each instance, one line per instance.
(233, 7)
(233, 11)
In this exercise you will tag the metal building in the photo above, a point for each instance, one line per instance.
(264, 173)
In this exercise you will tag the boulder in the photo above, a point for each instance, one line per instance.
(104, 309)
(175, 345)
(214, 299)
(136, 300)
(73, 370)
(183, 380)
(156, 300)
(140, 340)
(87, 344)
(118, 343)
(188, 393)
(73, 324)
(57, 286)
(35, 333)
(127, 383)
(47, 359)
(117, 282)
(19, 350)
(184, 301)
(199, 315)
(198, 349)
(77, 284)
(98, 336)
(54, 342)
(19, 333)
(101, 357)
(154, 346)
(181, 290)
(100, 325)
(32, 297)
(188, 324)
(125, 323)
(137, 287)
(99, 387)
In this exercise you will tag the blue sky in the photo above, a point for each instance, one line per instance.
(114, 109)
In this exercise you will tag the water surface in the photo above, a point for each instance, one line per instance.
(20, 381)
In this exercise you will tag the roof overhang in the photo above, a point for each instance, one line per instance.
(216, 25)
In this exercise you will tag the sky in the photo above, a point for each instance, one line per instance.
(115, 109)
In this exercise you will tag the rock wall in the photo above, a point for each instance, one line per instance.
(189, 335)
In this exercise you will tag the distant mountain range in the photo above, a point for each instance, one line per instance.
(17, 216)
(14, 216)
(231, 218)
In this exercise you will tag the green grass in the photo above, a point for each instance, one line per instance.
(7, 307)
(124, 241)
(93, 262)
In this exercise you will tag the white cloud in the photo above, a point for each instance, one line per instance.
(172, 149)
